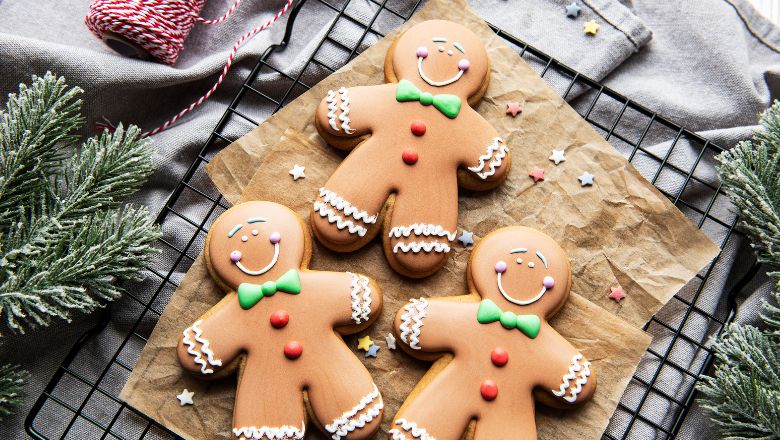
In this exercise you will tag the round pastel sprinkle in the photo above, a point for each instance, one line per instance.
(409, 156)
(275, 237)
(441, 48)
(519, 261)
(255, 232)
(501, 267)
(235, 256)
(499, 357)
(449, 52)
(422, 51)
(279, 318)
(548, 282)
(489, 390)
(464, 64)
(531, 264)
(244, 238)
(293, 350)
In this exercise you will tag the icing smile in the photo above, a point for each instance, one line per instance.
(422, 53)
(236, 255)
(547, 283)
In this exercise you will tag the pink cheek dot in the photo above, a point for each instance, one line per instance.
(501, 267)
(422, 52)
(548, 282)
(464, 64)
(235, 256)
(275, 237)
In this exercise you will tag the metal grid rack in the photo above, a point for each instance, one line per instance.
(94, 409)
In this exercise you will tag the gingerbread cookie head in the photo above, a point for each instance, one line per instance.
(522, 270)
(255, 241)
(440, 54)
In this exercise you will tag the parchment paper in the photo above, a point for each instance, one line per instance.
(621, 230)
(613, 345)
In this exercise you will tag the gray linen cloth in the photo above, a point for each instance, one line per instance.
(709, 65)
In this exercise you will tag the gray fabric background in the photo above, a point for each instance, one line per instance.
(709, 65)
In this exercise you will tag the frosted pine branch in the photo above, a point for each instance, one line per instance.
(12, 379)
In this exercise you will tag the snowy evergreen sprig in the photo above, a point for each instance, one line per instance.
(12, 379)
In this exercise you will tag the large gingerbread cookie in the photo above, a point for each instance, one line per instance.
(502, 353)
(279, 325)
(415, 140)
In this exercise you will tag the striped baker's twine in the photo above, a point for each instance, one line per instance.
(160, 27)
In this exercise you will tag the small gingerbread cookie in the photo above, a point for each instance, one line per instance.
(276, 327)
(497, 351)
(415, 140)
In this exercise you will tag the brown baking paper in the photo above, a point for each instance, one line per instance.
(620, 231)
(613, 345)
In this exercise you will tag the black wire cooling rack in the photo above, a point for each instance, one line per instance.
(80, 404)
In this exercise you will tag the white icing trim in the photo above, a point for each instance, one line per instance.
(436, 83)
(578, 373)
(517, 301)
(191, 348)
(263, 270)
(345, 424)
(332, 106)
(416, 431)
(421, 246)
(501, 149)
(344, 117)
(340, 222)
(361, 305)
(344, 206)
(412, 322)
(421, 229)
(271, 433)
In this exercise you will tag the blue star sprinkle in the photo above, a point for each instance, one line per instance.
(573, 10)
(372, 350)
(466, 238)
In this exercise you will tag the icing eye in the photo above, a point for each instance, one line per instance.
(464, 64)
(441, 48)
(501, 267)
(548, 282)
(449, 52)
(254, 232)
(275, 237)
(519, 261)
(235, 256)
(244, 238)
(531, 264)
(422, 52)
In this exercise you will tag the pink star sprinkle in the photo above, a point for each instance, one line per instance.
(513, 108)
(537, 173)
(616, 293)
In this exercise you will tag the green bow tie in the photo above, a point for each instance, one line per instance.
(449, 105)
(250, 294)
(489, 312)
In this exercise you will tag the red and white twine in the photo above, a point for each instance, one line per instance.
(160, 27)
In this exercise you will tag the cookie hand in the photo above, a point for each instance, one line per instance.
(487, 161)
(570, 379)
(206, 347)
(357, 304)
(341, 114)
(423, 326)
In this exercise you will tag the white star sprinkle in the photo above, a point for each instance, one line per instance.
(185, 398)
(297, 172)
(586, 178)
(390, 341)
(557, 156)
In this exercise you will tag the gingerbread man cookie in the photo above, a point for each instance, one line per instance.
(414, 141)
(280, 327)
(502, 353)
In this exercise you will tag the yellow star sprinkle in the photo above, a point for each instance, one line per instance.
(591, 27)
(365, 343)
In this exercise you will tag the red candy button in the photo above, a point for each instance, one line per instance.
(489, 390)
(293, 350)
(418, 128)
(499, 357)
(410, 156)
(279, 318)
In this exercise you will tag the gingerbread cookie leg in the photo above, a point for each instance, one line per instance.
(345, 400)
(420, 233)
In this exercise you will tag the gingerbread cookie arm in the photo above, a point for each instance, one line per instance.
(344, 114)
(485, 159)
(206, 347)
(354, 299)
(426, 327)
(568, 378)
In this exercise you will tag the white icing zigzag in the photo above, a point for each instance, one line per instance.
(361, 305)
(340, 222)
(345, 424)
(344, 117)
(497, 146)
(416, 432)
(419, 246)
(271, 433)
(578, 372)
(344, 206)
(332, 105)
(421, 229)
(204, 349)
(412, 322)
